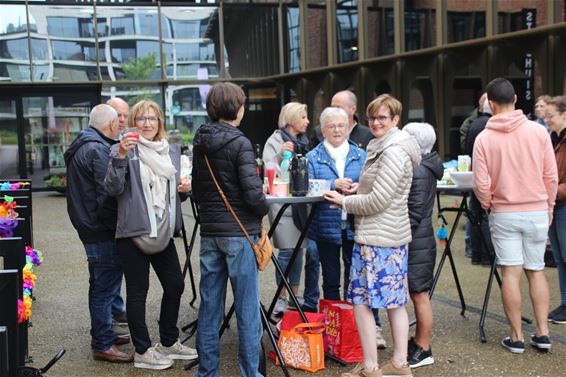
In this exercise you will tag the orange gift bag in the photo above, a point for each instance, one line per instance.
(302, 346)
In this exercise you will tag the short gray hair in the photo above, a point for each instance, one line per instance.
(332, 113)
(424, 133)
(101, 115)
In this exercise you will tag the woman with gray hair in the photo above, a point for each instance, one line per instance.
(422, 249)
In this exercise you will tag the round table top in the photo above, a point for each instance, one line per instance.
(294, 199)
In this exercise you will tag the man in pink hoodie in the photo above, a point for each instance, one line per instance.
(515, 180)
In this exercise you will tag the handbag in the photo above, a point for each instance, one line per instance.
(302, 346)
(263, 248)
(341, 331)
(153, 245)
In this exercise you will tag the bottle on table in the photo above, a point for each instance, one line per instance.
(286, 165)
(259, 162)
(299, 175)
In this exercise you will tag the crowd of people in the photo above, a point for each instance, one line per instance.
(373, 237)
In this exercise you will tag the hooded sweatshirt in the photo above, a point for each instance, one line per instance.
(232, 159)
(514, 165)
(380, 205)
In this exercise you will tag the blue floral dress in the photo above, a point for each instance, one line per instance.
(378, 277)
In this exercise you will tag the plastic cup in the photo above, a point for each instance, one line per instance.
(270, 178)
(133, 133)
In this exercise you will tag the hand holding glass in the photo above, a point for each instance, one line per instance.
(134, 135)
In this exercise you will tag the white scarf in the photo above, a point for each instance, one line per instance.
(157, 167)
(338, 155)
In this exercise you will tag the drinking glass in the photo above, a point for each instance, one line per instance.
(133, 133)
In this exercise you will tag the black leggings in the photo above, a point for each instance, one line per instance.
(136, 271)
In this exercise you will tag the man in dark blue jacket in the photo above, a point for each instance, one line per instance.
(93, 214)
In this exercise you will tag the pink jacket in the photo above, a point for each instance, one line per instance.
(514, 165)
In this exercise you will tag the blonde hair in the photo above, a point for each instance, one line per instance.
(142, 107)
(393, 104)
(291, 114)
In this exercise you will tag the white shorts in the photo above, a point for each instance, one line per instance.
(519, 238)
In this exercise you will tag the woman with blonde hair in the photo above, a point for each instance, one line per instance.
(291, 136)
(143, 175)
(378, 278)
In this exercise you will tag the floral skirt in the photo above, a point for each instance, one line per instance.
(378, 277)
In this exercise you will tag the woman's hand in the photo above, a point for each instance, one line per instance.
(352, 190)
(342, 184)
(185, 185)
(287, 146)
(334, 197)
(126, 144)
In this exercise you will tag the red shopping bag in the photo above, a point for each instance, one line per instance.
(291, 318)
(341, 330)
(301, 347)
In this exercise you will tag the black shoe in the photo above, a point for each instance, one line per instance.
(411, 346)
(517, 346)
(540, 342)
(420, 357)
(559, 311)
(121, 319)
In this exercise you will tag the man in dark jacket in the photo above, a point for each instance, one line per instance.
(93, 214)
(422, 249)
(480, 251)
(359, 134)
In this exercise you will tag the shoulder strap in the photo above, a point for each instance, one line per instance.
(223, 196)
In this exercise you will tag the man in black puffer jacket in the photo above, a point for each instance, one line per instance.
(224, 250)
(93, 214)
(422, 249)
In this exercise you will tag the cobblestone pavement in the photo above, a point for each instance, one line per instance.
(60, 315)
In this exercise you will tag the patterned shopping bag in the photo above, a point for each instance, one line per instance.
(302, 346)
(341, 331)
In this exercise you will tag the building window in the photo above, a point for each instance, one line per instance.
(293, 40)
(347, 31)
(380, 31)
(466, 20)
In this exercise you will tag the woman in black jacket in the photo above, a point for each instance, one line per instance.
(422, 249)
(225, 252)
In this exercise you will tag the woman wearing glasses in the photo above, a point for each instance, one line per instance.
(143, 174)
(338, 160)
(378, 278)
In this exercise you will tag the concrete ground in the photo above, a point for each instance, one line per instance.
(60, 315)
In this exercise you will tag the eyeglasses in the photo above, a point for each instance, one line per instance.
(339, 127)
(142, 120)
(379, 118)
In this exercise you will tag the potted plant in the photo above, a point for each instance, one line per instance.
(56, 182)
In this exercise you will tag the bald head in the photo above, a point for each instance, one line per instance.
(122, 108)
(347, 101)
(105, 119)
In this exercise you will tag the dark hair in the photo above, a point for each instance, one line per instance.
(559, 102)
(224, 100)
(501, 91)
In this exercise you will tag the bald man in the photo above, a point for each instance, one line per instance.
(122, 108)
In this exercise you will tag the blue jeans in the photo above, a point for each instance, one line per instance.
(283, 258)
(557, 235)
(312, 275)
(222, 258)
(105, 279)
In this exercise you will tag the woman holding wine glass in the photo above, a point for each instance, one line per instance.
(143, 174)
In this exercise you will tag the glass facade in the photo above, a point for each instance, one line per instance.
(466, 19)
(14, 52)
(347, 30)
(420, 24)
(380, 28)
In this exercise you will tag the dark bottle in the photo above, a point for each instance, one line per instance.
(299, 175)
(259, 162)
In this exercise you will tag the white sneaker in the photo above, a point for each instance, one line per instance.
(152, 359)
(381, 344)
(177, 351)
(281, 306)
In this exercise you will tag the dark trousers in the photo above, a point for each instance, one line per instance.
(329, 255)
(480, 254)
(136, 271)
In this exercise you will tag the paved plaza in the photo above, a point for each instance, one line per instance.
(60, 314)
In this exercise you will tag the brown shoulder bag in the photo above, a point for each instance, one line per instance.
(263, 248)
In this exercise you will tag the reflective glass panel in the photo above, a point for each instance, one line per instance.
(14, 55)
(132, 93)
(317, 41)
(380, 31)
(251, 46)
(8, 139)
(129, 43)
(466, 19)
(347, 31)
(191, 48)
(515, 15)
(69, 30)
(292, 39)
(420, 25)
(185, 110)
